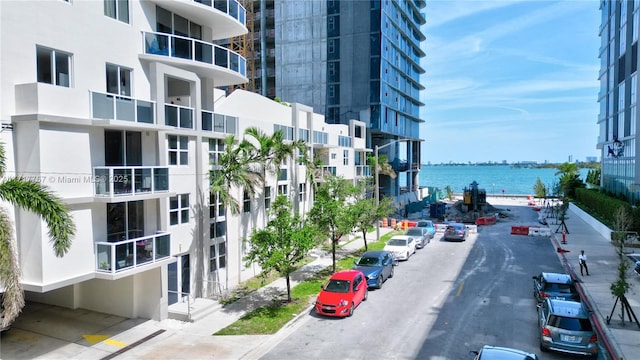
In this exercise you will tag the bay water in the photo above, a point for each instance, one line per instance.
(494, 179)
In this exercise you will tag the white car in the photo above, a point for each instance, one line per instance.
(401, 246)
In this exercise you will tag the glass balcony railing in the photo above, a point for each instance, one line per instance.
(119, 107)
(178, 116)
(230, 7)
(113, 257)
(218, 123)
(193, 49)
(130, 180)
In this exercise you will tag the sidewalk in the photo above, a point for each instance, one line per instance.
(622, 341)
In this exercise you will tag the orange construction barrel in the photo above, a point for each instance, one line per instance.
(393, 223)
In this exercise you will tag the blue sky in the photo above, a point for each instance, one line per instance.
(511, 80)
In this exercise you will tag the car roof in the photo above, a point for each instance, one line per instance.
(428, 222)
(504, 353)
(374, 253)
(420, 229)
(345, 274)
(567, 308)
(401, 237)
(556, 278)
(455, 224)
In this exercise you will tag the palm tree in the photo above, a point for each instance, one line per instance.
(35, 197)
(236, 168)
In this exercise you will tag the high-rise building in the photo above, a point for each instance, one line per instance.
(116, 107)
(350, 60)
(618, 98)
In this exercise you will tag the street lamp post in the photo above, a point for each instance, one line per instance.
(377, 180)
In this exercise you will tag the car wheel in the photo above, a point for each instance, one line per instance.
(351, 309)
(379, 284)
(391, 273)
(542, 348)
(366, 294)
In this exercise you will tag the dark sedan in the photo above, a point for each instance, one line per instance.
(377, 266)
(455, 232)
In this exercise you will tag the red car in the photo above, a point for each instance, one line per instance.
(344, 291)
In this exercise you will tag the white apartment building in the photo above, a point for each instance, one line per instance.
(113, 105)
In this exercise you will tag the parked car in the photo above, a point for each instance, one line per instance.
(342, 293)
(401, 246)
(565, 327)
(489, 352)
(420, 234)
(427, 224)
(635, 258)
(555, 286)
(377, 267)
(456, 231)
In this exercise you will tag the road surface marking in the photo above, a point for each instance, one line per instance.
(460, 288)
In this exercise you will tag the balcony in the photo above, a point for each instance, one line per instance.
(113, 181)
(178, 116)
(218, 123)
(226, 18)
(116, 107)
(114, 257)
(203, 58)
(400, 165)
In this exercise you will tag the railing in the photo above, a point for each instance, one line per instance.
(193, 49)
(113, 257)
(229, 7)
(130, 180)
(119, 107)
(178, 116)
(218, 123)
(363, 170)
(399, 165)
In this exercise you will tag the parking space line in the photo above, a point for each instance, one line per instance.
(460, 288)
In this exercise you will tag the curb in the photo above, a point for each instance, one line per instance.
(603, 332)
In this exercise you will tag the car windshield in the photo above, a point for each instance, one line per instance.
(568, 323)
(424, 223)
(397, 242)
(338, 286)
(369, 261)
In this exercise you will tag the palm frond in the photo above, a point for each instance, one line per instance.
(34, 197)
(10, 274)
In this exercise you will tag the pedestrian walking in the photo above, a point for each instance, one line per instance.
(582, 258)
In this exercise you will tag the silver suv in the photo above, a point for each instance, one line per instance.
(565, 327)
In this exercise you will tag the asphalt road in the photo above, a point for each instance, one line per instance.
(447, 299)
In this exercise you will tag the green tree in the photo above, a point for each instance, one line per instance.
(236, 168)
(621, 224)
(331, 209)
(36, 198)
(569, 178)
(283, 243)
(314, 172)
(539, 189)
(365, 212)
(384, 167)
(449, 192)
(593, 176)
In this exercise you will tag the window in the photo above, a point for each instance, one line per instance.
(333, 156)
(267, 197)
(179, 209)
(216, 210)
(217, 229)
(54, 67)
(217, 256)
(118, 80)
(345, 157)
(302, 192)
(282, 190)
(216, 148)
(246, 202)
(117, 9)
(178, 150)
(125, 220)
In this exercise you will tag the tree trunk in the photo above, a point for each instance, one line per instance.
(364, 237)
(333, 246)
(288, 289)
